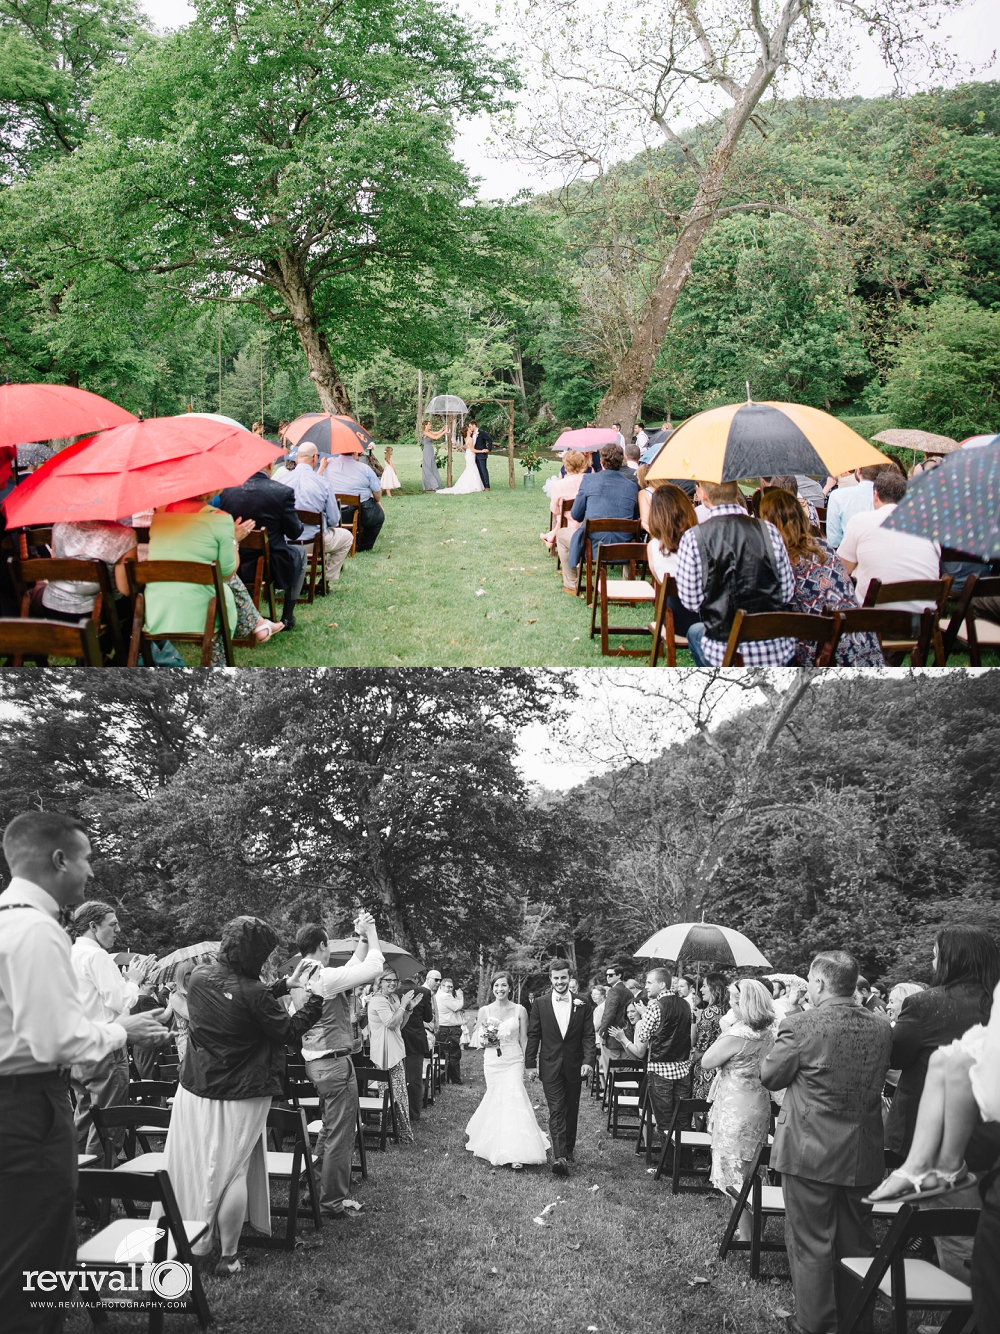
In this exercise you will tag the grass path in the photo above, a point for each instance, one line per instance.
(447, 1245)
(454, 581)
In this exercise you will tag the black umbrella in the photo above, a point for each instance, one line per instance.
(957, 504)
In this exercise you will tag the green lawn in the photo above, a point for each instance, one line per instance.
(454, 581)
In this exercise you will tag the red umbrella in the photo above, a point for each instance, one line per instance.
(137, 467)
(330, 434)
(30, 412)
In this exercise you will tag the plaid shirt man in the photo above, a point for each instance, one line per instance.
(690, 589)
(645, 1029)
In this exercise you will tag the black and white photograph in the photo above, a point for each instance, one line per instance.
(500, 1000)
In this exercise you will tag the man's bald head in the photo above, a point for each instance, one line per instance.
(307, 453)
(51, 850)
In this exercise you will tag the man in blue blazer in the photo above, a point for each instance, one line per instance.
(612, 493)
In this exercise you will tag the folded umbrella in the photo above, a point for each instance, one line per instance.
(761, 440)
(330, 434)
(587, 439)
(702, 942)
(956, 504)
(136, 467)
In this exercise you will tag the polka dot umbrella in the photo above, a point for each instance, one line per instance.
(957, 504)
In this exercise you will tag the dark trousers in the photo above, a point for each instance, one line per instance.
(664, 1095)
(563, 1098)
(450, 1045)
(414, 1067)
(985, 1270)
(484, 472)
(369, 524)
(292, 592)
(824, 1222)
(337, 1086)
(37, 1194)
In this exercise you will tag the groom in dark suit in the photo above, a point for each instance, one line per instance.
(561, 1040)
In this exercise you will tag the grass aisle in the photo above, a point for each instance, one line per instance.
(437, 1223)
(454, 581)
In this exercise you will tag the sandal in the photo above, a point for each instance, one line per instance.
(228, 1264)
(947, 1182)
(268, 628)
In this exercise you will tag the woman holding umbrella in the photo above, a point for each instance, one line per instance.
(430, 478)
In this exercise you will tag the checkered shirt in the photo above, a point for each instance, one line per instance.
(645, 1029)
(690, 589)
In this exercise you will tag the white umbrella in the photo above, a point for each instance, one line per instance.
(206, 951)
(703, 942)
(443, 405)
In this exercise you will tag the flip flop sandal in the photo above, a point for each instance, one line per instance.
(270, 628)
(950, 1182)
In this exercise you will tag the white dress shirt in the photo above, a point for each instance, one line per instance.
(450, 1008)
(42, 1020)
(104, 994)
(562, 1008)
(330, 982)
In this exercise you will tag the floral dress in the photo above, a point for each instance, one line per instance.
(741, 1109)
(706, 1031)
(819, 586)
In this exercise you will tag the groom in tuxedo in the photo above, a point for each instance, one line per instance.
(561, 1040)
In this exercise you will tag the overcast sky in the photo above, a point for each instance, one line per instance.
(972, 34)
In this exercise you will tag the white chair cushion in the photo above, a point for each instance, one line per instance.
(772, 1198)
(87, 1159)
(926, 1285)
(310, 1104)
(280, 1164)
(371, 1104)
(314, 1127)
(152, 1130)
(986, 632)
(627, 1102)
(144, 1162)
(101, 1250)
(885, 1207)
(696, 1137)
(634, 590)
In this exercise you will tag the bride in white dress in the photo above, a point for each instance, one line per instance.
(468, 482)
(503, 1128)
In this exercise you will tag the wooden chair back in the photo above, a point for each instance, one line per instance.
(143, 573)
(975, 586)
(914, 590)
(151, 1092)
(631, 527)
(26, 573)
(138, 1122)
(20, 639)
(630, 558)
(754, 627)
(346, 501)
(261, 586)
(285, 1123)
(559, 520)
(315, 554)
(892, 627)
(33, 539)
(662, 625)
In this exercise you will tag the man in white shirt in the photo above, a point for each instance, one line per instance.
(327, 1049)
(43, 1030)
(846, 501)
(449, 1005)
(870, 552)
(314, 492)
(105, 996)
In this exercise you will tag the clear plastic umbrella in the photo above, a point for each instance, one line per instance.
(443, 405)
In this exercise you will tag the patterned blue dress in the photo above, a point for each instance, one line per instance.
(818, 586)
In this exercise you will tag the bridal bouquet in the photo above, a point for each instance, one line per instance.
(489, 1035)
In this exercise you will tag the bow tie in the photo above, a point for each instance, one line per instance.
(564, 997)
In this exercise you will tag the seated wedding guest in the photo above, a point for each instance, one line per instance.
(349, 475)
(707, 1027)
(450, 1006)
(271, 506)
(386, 1016)
(313, 491)
(821, 581)
(789, 484)
(43, 1031)
(832, 1061)
(609, 494)
(69, 600)
(632, 453)
(741, 1107)
(105, 996)
(565, 488)
(626, 1034)
(669, 517)
(235, 1066)
(870, 551)
(193, 530)
(854, 495)
(898, 994)
(727, 562)
(327, 1049)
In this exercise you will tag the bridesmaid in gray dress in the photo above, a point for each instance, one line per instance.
(430, 478)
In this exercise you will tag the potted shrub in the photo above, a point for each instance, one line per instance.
(531, 462)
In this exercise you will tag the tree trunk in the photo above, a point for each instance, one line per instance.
(285, 275)
(623, 400)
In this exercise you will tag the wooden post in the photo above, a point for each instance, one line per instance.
(510, 442)
(420, 406)
(449, 427)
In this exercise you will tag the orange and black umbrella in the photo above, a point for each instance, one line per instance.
(761, 440)
(330, 434)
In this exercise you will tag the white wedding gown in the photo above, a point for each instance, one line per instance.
(468, 482)
(503, 1128)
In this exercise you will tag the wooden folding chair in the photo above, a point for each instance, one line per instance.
(661, 627)
(821, 516)
(360, 1167)
(753, 627)
(678, 1140)
(622, 1094)
(892, 628)
(631, 527)
(912, 1284)
(261, 586)
(630, 591)
(176, 1237)
(381, 1105)
(282, 1124)
(139, 1123)
(143, 573)
(967, 629)
(34, 543)
(560, 520)
(913, 590)
(348, 502)
(40, 640)
(26, 573)
(315, 554)
(301, 1092)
